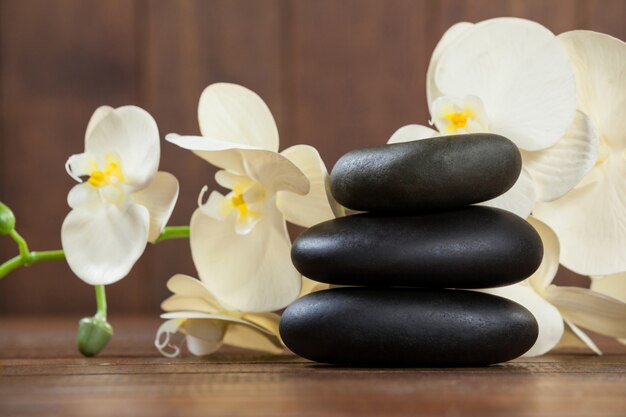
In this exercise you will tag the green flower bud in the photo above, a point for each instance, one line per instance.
(93, 335)
(7, 220)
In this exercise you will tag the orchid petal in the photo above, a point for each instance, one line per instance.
(599, 63)
(131, 134)
(236, 114)
(573, 336)
(548, 317)
(544, 275)
(180, 302)
(222, 318)
(102, 244)
(269, 168)
(187, 286)
(268, 321)
(309, 286)
(589, 221)
(204, 336)
(250, 272)
(410, 133)
(452, 34)
(318, 205)
(589, 309)
(519, 199)
(247, 337)
(97, 116)
(611, 285)
(520, 72)
(163, 338)
(159, 197)
(84, 196)
(557, 169)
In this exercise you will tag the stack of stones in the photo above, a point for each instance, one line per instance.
(401, 269)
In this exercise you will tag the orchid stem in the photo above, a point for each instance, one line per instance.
(101, 302)
(173, 232)
(27, 258)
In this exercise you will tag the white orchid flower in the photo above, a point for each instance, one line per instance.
(511, 77)
(591, 220)
(124, 202)
(239, 242)
(194, 311)
(560, 310)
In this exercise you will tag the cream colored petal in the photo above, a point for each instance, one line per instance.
(599, 63)
(557, 169)
(97, 116)
(275, 172)
(187, 286)
(131, 134)
(159, 198)
(221, 153)
(269, 168)
(611, 285)
(236, 114)
(247, 337)
(309, 286)
(84, 196)
(250, 272)
(544, 275)
(573, 336)
(229, 180)
(590, 222)
(318, 204)
(267, 321)
(184, 303)
(81, 165)
(452, 34)
(547, 316)
(102, 244)
(591, 310)
(216, 206)
(519, 199)
(521, 73)
(410, 133)
(163, 341)
(204, 336)
(222, 319)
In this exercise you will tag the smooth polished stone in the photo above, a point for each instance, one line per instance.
(407, 327)
(467, 247)
(436, 173)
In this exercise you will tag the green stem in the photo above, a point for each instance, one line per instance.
(26, 258)
(173, 232)
(21, 243)
(101, 301)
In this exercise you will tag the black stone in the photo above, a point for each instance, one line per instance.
(467, 247)
(442, 172)
(407, 327)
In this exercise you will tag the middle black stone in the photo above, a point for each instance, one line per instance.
(468, 247)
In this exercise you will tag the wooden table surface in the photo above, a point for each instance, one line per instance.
(41, 374)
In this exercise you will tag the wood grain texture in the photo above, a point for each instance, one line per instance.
(336, 74)
(41, 375)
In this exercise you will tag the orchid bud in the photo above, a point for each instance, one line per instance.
(93, 335)
(7, 220)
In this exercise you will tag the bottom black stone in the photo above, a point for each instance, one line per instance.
(407, 327)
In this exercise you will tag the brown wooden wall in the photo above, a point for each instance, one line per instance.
(337, 74)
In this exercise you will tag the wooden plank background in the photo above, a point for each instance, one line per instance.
(338, 74)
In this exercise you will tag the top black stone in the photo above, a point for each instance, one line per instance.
(436, 173)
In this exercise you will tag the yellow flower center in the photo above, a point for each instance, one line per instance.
(239, 203)
(112, 172)
(458, 120)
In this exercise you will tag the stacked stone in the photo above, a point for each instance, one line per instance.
(409, 259)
